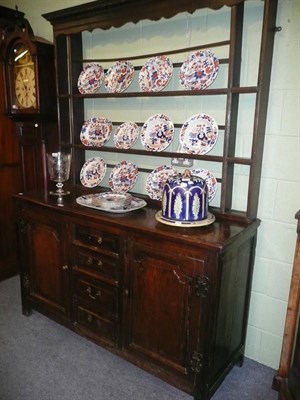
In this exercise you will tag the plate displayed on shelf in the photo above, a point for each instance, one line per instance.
(95, 132)
(199, 70)
(92, 201)
(185, 224)
(199, 134)
(126, 135)
(119, 76)
(210, 180)
(155, 74)
(123, 177)
(90, 78)
(156, 181)
(157, 132)
(93, 172)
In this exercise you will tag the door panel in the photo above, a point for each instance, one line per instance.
(165, 317)
(46, 266)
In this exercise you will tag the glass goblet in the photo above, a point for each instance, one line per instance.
(59, 170)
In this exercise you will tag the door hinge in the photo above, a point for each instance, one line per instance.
(202, 286)
(26, 281)
(196, 362)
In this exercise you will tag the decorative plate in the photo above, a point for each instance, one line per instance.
(90, 78)
(126, 135)
(199, 134)
(185, 224)
(157, 132)
(108, 200)
(119, 77)
(210, 180)
(123, 177)
(199, 70)
(96, 131)
(93, 172)
(156, 181)
(155, 74)
(92, 201)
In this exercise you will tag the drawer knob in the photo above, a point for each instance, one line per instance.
(99, 264)
(89, 261)
(90, 318)
(99, 239)
(93, 296)
(65, 267)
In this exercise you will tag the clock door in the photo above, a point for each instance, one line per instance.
(23, 78)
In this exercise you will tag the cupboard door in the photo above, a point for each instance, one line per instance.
(164, 306)
(45, 274)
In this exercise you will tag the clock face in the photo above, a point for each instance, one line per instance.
(25, 90)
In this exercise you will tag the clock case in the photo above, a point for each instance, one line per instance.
(42, 54)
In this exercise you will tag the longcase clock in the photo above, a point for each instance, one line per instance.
(30, 98)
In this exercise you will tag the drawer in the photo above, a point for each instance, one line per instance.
(100, 297)
(97, 239)
(103, 266)
(100, 326)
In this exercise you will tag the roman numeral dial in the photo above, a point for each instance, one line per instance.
(25, 87)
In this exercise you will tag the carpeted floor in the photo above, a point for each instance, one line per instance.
(41, 360)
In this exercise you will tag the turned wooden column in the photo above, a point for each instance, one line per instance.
(287, 379)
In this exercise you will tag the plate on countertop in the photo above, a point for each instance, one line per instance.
(210, 180)
(90, 78)
(198, 134)
(156, 181)
(92, 201)
(157, 132)
(185, 224)
(155, 74)
(199, 70)
(123, 177)
(96, 131)
(126, 135)
(119, 76)
(92, 172)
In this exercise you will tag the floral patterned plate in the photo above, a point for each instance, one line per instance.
(126, 135)
(155, 74)
(199, 134)
(123, 177)
(210, 180)
(156, 181)
(157, 132)
(90, 78)
(93, 172)
(95, 132)
(119, 77)
(199, 70)
(91, 200)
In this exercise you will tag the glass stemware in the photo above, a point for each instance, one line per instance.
(59, 170)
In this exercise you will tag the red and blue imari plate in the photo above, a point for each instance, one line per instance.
(199, 134)
(199, 70)
(123, 177)
(119, 77)
(155, 74)
(90, 79)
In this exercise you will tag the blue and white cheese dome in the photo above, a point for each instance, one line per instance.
(185, 198)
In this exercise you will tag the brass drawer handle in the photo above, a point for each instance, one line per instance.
(65, 267)
(94, 297)
(99, 239)
(90, 318)
(89, 261)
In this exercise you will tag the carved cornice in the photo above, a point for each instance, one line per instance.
(115, 13)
